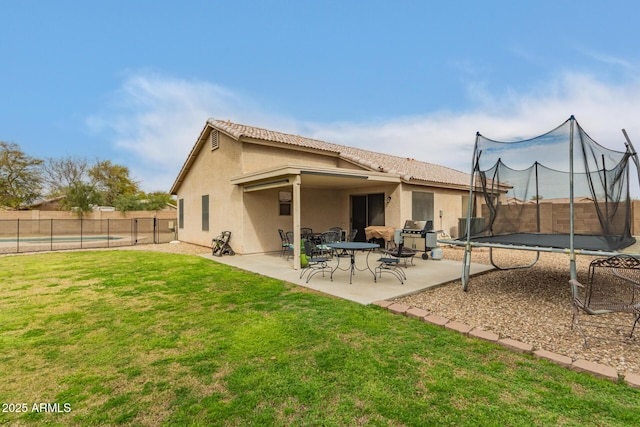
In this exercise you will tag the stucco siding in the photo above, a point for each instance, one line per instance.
(209, 175)
(445, 200)
(259, 157)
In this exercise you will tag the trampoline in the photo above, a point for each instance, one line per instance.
(557, 192)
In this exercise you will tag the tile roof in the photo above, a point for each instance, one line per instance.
(408, 168)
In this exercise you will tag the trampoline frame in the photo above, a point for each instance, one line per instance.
(572, 251)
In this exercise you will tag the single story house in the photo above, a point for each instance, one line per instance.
(253, 181)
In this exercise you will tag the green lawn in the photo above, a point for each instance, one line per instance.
(135, 338)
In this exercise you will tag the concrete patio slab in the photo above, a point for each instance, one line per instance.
(422, 275)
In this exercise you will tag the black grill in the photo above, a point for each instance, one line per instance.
(413, 227)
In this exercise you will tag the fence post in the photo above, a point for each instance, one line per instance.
(18, 237)
(156, 233)
(51, 234)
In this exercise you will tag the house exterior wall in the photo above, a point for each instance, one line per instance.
(319, 210)
(257, 157)
(209, 175)
(446, 200)
(253, 217)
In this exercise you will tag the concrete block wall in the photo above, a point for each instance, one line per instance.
(555, 218)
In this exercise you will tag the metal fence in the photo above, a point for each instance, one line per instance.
(33, 235)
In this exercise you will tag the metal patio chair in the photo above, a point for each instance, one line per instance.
(316, 262)
(326, 238)
(287, 244)
(390, 263)
(613, 286)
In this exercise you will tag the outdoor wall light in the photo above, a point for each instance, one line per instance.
(388, 199)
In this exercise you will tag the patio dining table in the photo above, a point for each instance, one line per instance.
(351, 248)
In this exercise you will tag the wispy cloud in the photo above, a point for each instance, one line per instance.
(157, 120)
(608, 59)
(447, 138)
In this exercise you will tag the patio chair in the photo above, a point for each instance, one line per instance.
(287, 246)
(613, 286)
(220, 244)
(338, 230)
(326, 238)
(305, 232)
(390, 263)
(353, 234)
(316, 263)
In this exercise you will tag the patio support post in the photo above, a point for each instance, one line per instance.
(296, 223)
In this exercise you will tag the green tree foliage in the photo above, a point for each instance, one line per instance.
(82, 197)
(20, 176)
(24, 179)
(113, 181)
(143, 201)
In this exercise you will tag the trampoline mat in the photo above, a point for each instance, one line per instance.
(559, 241)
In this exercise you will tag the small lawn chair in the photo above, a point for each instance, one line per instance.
(325, 239)
(220, 244)
(316, 262)
(390, 263)
(340, 232)
(306, 232)
(287, 245)
(613, 286)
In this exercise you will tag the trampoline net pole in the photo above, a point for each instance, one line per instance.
(466, 265)
(572, 254)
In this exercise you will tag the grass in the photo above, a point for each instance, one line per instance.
(149, 339)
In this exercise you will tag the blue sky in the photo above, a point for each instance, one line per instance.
(135, 81)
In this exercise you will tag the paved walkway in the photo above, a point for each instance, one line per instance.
(422, 275)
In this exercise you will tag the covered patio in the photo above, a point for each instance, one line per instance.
(424, 274)
(319, 198)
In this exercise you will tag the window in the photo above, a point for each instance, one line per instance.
(421, 206)
(205, 213)
(213, 139)
(284, 199)
(181, 213)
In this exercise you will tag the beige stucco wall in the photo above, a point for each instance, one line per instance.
(253, 217)
(259, 157)
(448, 201)
(210, 175)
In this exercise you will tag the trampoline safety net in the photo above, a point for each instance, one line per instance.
(525, 189)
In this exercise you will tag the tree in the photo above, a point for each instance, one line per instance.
(112, 181)
(60, 174)
(82, 197)
(143, 202)
(20, 176)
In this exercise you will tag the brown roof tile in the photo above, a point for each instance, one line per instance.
(407, 168)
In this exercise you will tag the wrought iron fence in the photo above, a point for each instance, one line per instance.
(33, 235)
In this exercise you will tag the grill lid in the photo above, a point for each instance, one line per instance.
(417, 225)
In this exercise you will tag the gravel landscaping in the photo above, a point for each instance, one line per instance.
(533, 306)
